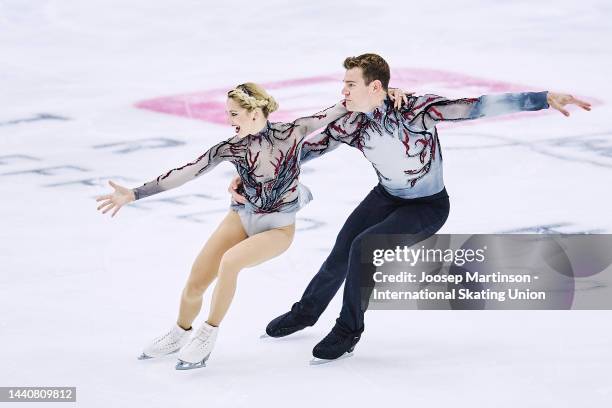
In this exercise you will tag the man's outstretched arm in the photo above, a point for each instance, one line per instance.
(425, 111)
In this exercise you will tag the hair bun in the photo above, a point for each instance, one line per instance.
(271, 104)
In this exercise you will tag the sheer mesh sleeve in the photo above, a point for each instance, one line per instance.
(346, 130)
(425, 111)
(180, 175)
(309, 124)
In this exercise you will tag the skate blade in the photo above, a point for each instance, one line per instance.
(321, 361)
(264, 336)
(143, 356)
(184, 365)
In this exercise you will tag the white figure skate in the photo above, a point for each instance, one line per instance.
(168, 343)
(197, 351)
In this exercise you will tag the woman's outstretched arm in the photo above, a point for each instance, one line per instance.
(169, 180)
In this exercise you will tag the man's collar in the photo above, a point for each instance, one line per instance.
(380, 108)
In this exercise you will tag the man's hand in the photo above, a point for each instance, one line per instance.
(233, 190)
(558, 101)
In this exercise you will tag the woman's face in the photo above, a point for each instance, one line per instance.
(240, 118)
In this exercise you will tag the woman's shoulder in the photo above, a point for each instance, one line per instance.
(234, 140)
(281, 126)
(282, 130)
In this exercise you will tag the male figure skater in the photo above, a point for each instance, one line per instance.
(403, 147)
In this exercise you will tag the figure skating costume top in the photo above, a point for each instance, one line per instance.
(268, 164)
(402, 144)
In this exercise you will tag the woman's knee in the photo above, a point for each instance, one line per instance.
(194, 289)
(230, 264)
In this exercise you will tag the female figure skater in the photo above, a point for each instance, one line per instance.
(266, 156)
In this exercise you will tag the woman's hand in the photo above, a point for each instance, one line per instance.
(233, 190)
(397, 95)
(120, 197)
(558, 101)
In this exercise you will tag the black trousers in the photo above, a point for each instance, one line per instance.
(378, 213)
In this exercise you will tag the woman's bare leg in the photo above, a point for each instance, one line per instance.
(250, 252)
(206, 265)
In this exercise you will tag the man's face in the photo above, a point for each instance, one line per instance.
(355, 91)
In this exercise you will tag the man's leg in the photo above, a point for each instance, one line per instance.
(422, 220)
(324, 285)
(419, 221)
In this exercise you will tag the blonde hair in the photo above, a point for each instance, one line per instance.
(252, 96)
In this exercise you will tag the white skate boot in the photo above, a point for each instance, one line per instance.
(197, 351)
(168, 343)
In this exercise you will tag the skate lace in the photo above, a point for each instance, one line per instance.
(163, 337)
(203, 334)
(170, 339)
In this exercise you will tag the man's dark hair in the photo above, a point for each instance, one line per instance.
(373, 67)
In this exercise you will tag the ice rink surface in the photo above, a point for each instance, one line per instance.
(89, 93)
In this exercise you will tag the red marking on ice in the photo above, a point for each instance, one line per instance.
(210, 105)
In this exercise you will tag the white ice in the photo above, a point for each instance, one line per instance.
(82, 293)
